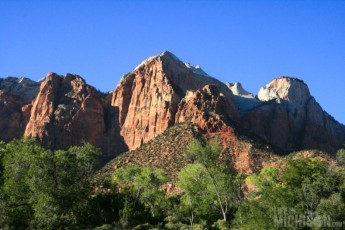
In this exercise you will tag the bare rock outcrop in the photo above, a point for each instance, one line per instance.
(290, 118)
(68, 112)
(209, 109)
(206, 107)
(24, 88)
(243, 99)
(11, 119)
(159, 93)
(148, 98)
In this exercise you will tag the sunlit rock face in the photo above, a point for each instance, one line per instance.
(285, 88)
(148, 97)
(160, 92)
(206, 107)
(69, 112)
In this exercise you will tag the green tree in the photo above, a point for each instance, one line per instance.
(45, 189)
(340, 156)
(16, 210)
(196, 201)
(330, 211)
(2, 153)
(208, 184)
(142, 187)
(298, 188)
(61, 186)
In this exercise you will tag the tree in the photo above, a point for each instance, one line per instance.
(2, 153)
(330, 211)
(61, 186)
(45, 189)
(295, 189)
(340, 156)
(207, 184)
(142, 187)
(196, 202)
(16, 210)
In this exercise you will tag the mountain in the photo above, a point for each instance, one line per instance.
(23, 87)
(290, 118)
(159, 94)
(68, 112)
(148, 98)
(168, 151)
(15, 96)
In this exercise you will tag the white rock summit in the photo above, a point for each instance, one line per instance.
(285, 88)
(238, 90)
(243, 99)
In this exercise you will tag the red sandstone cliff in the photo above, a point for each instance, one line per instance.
(159, 93)
(148, 98)
(68, 112)
(209, 109)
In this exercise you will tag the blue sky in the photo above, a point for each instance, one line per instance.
(250, 42)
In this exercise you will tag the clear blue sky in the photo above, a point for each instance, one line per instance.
(237, 41)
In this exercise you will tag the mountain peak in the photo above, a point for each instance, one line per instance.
(165, 56)
(238, 90)
(285, 88)
(196, 69)
(23, 87)
(167, 53)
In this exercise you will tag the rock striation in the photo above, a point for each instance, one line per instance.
(68, 112)
(290, 118)
(206, 107)
(148, 98)
(158, 94)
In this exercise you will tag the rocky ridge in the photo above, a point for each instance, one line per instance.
(24, 88)
(168, 150)
(290, 118)
(148, 98)
(158, 94)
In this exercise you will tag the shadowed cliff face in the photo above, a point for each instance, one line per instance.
(23, 88)
(161, 92)
(15, 96)
(11, 118)
(290, 118)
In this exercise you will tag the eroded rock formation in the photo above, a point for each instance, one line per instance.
(160, 92)
(148, 98)
(290, 118)
(68, 112)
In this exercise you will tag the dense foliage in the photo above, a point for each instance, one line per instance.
(44, 189)
(302, 193)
